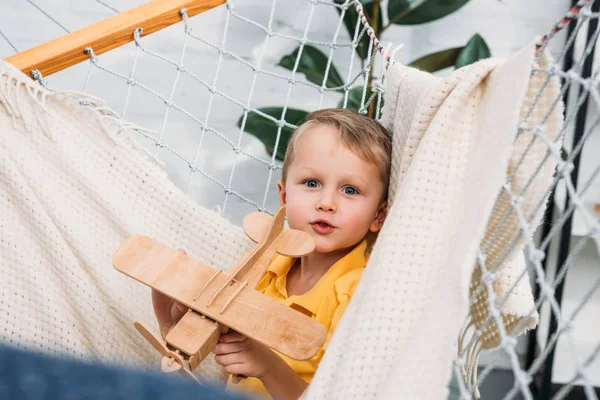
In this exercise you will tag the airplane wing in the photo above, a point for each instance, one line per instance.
(256, 225)
(250, 312)
(290, 242)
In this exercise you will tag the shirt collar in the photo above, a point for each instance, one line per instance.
(356, 258)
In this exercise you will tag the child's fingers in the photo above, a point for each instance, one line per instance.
(162, 308)
(182, 251)
(227, 348)
(177, 311)
(229, 359)
(236, 369)
(232, 336)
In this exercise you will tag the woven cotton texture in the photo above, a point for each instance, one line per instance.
(541, 119)
(73, 187)
(453, 145)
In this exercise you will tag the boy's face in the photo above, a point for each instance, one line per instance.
(330, 192)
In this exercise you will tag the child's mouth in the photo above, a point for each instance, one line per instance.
(322, 227)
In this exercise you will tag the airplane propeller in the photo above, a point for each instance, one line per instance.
(171, 361)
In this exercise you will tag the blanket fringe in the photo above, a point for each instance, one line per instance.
(16, 89)
(114, 126)
(472, 350)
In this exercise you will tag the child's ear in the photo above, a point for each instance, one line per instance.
(281, 189)
(379, 217)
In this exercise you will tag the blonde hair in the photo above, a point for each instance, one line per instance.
(364, 136)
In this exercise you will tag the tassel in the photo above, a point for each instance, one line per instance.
(475, 383)
(15, 93)
(473, 350)
(468, 366)
(472, 378)
(467, 325)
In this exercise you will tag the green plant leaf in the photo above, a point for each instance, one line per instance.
(476, 49)
(266, 130)
(564, 154)
(313, 64)
(437, 61)
(413, 12)
(350, 19)
(355, 97)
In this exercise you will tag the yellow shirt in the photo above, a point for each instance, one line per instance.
(325, 302)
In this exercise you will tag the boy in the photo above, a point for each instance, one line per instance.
(334, 186)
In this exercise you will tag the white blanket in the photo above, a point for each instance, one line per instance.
(454, 146)
(73, 186)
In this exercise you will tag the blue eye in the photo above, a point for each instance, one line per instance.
(350, 190)
(311, 183)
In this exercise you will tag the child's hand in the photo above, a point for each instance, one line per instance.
(240, 355)
(168, 312)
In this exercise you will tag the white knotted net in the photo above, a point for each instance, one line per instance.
(201, 85)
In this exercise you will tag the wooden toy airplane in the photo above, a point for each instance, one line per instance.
(218, 301)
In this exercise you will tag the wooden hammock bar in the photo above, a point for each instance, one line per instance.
(106, 35)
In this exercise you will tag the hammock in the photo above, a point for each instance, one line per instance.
(475, 156)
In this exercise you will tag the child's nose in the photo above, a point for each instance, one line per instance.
(327, 203)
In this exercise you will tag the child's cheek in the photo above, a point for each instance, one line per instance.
(361, 218)
(293, 213)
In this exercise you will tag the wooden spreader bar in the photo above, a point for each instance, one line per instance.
(106, 35)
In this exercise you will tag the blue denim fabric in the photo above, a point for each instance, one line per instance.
(27, 376)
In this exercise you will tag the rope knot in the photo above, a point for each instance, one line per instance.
(565, 168)
(488, 278)
(566, 326)
(547, 291)
(137, 32)
(508, 343)
(537, 255)
(183, 14)
(36, 74)
(516, 201)
(89, 51)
